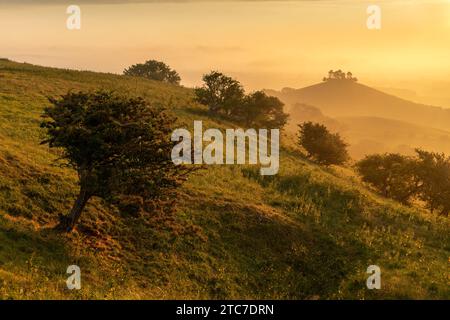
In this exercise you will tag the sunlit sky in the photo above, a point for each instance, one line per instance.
(265, 44)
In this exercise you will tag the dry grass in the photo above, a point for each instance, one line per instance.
(307, 233)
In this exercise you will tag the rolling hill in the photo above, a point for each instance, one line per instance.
(337, 98)
(371, 121)
(369, 134)
(307, 233)
(378, 135)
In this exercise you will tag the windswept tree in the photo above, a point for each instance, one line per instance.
(119, 146)
(433, 171)
(222, 94)
(261, 110)
(154, 70)
(323, 146)
(393, 175)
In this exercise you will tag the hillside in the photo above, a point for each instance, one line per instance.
(369, 134)
(370, 120)
(338, 98)
(306, 233)
(378, 135)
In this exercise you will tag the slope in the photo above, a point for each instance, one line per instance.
(342, 98)
(369, 134)
(308, 232)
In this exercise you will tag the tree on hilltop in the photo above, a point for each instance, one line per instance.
(154, 70)
(339, 75)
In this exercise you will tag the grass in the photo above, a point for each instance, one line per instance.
(307, 233)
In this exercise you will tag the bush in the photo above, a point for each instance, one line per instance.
(154, 70)
(402, 178)
(393, 175)
(119, 146)
(433, 172)
(263, 111)
(222, 94)
(225, 96)
(325, 147)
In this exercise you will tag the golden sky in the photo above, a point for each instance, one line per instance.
(265, 44)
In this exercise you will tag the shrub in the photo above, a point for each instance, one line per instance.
(225, 96)
(154, 70)
(393, 175)
(325, 147)
(119, 146)
(222, 94)
(433, 172)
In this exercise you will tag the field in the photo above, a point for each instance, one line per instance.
(307, 233)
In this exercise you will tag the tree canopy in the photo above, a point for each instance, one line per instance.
(221, 93)
(393, 175)
(154, 70)
(262, 110)
(119, 146)
(324, 147)
(339, 75)
(433, 171)
(225, 96)
(425, 176)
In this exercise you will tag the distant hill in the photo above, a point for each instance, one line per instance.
(368, 135)
(378, 135)
(342, 98)
(370, 120)
(308, 232)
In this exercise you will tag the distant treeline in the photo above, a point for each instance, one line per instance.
(425, 177)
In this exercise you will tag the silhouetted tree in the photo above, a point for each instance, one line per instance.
(339, 75)
(393, 175)
(119, 146)
(325, 147)
(330, 74)
(433, 171)
(222, 94)
(154, 70)
(261, 110)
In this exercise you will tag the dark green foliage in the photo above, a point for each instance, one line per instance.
(261, 110)
(393, 175)
(324, 147)
(119, 146)
(433, 171)
(222, 94)
(402, 178)
(154, 70)
(225, 96)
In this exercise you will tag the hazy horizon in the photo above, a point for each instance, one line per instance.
(268, 44)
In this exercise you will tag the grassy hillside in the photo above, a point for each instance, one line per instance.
(308, 232)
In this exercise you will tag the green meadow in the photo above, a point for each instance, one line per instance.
(309, 232)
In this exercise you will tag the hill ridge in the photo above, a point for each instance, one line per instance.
(224, 241)
(343, 97)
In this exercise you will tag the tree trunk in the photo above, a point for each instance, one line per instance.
(67, 223)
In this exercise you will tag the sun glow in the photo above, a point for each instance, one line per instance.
(269, 44)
